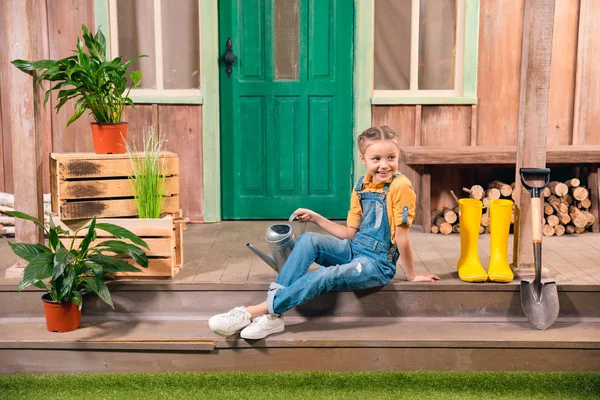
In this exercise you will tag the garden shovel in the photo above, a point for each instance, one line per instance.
(539, 300)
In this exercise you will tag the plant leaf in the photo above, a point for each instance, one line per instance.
(100, 288)
(62, 258)
(122, 233)
(77, 298)
(89, 237)
(112, 264)
(21, 215)
(118, 247)
(39, 268)
(67, 284)
(28, 251)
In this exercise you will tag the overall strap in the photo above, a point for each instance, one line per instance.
(360, 185)
(387, 185)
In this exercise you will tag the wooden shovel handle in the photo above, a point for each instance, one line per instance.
(536, 217)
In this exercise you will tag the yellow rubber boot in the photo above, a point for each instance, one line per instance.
(500, 212)
(469, 266)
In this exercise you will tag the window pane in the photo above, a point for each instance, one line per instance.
(437, 42)
(135, 22)
(180, 44)
(392, 44)
(285, 41)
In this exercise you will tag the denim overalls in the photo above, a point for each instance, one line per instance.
(367, 261)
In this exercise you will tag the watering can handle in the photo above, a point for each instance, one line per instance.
(292, 218)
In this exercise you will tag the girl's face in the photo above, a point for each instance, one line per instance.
(381, 159)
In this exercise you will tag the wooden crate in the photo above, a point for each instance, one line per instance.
(163, 235)
(85, 185)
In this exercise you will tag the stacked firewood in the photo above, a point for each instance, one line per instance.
(447, 222)
(7, 203)
(566, 208)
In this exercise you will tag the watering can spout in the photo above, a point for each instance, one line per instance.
(269, 260)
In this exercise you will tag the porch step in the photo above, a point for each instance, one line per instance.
(445, 300)
(136, 343)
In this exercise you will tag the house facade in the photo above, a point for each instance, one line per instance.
(275, 129)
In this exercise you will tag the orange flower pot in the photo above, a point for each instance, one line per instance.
(109, 138)
(61, 317)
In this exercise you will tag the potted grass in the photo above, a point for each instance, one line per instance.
(68, 272)
(95, 83)
(148, 175)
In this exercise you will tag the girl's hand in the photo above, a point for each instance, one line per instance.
(424, 278)
(306, 215)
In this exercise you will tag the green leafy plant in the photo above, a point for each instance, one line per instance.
(97, 85)
(148, 175)
(75, 271)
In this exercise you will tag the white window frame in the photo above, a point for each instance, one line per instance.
(465, 78)
(160, 95)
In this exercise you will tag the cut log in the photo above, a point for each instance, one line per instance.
(493, 194)
(548, 230)
(449, 215)
(486, 202)
(573, 182)
(435, 229)
(559, 230)
(485, 220)
(439, 221)
(445, 228)
(505, 190)
(590, 218)
(570, 229)
(585, 203)
(552, 199)
(564, 218)
(567, 198)
(552, 220)
(546, 192)
(476, 192)
(558, 188)
(577, 217)
(481, 229)
(454, 196)
(580, 193)
(548, 209)
(456, 228)
(579, 229)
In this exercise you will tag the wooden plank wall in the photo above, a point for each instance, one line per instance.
(182, 125)
(574, 115)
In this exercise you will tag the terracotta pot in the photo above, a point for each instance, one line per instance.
(61, 317)
(109, 138)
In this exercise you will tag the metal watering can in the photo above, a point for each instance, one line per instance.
(281, 240)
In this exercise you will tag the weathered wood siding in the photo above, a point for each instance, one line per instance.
(574, 98)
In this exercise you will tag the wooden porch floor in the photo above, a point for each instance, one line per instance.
(217, 253)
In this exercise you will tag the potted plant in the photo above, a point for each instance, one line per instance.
(148, 175)
(74, 271)
(96, 84)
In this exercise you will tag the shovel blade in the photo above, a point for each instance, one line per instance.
(542, 310)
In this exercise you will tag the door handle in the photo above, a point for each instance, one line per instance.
(229, 57)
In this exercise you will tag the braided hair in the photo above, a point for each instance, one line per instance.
(383, 132)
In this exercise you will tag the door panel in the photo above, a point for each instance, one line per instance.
(286, 110)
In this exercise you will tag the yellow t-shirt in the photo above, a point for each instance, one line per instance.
(401, 203)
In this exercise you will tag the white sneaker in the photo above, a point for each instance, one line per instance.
(262, 326)
(230, 322)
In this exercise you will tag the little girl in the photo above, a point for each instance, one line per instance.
(361, 255)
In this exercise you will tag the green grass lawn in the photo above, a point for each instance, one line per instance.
(305, 385)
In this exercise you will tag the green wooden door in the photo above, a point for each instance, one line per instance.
(286, 110)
